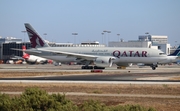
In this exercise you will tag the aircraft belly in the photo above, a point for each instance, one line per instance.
(137, 59)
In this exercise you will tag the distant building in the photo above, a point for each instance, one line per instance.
(150, 41)
(90, 43)
(7, 52)
(10, 40)
(161, 42)
(154, 38)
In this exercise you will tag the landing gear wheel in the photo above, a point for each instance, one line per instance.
(153, 68)
(82, 67)
(87, 67)
(96, 67)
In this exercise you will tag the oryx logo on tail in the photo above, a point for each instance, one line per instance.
(35, 39)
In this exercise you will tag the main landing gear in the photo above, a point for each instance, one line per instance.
(91, 67)
(154, 67)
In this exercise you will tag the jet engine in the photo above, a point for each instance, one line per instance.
(103, 61)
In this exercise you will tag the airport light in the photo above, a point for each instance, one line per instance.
(24, 34)
(108, 31)
(108, 36)
(105, 36)
(147, 33)
(176, 45)
(75, 37)
(104, 31)
(118, 37)
(45, 35)
(102, 37)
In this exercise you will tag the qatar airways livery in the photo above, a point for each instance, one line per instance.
(100, 57)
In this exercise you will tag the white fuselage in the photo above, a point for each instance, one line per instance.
(122, 55)
(169, 59)
(33, 58)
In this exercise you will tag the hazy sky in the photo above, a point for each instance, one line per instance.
(60, 18)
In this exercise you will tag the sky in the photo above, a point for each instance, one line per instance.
(56, 20)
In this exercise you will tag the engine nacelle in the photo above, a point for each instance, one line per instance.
(103, 61)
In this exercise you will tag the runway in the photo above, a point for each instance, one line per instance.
(164, 74)
(158, 77)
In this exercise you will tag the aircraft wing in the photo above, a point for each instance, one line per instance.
(69, 54)
(31, 51)
(77, 55)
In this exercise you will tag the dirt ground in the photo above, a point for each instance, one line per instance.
(160, 103)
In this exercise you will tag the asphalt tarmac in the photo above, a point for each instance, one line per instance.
(134, 73)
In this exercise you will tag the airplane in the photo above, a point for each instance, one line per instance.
(100, 57)
(32, 59)
(171, 59)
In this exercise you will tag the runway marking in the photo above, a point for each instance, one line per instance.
(157, 78)
(89, 82)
